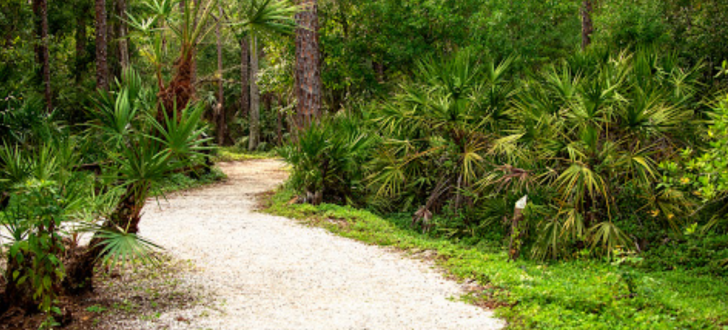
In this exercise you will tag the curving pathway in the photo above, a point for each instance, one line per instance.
(268, 272)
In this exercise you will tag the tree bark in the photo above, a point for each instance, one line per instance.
(244, 76)
(308, 64)
(587, 27)
(15, 295)
(220, 108)
(102, 66)
(516, 235)
(193, 69)
(40, 9)
(122, 33)
(80, 43)
(127, 215)
(254, 97)
(279, 121)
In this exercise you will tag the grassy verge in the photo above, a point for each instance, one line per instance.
(578, 294)
(234, 154)
(179, 182)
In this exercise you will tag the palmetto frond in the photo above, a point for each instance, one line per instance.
(119, 247)
(268, 16)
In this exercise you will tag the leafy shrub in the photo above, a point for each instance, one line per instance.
(327, 160)
(695, 254)
(467, 137)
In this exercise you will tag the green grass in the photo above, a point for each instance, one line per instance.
(234, 154)
(179, 182)
(579, 294)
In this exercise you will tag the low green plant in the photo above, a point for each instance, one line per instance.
(98, 309)
(40, 206)
(236, 154)
(327, 160)
(582, 293)
(466, 137)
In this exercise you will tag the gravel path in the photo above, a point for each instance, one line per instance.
(269, 272)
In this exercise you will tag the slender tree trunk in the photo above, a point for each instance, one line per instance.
(40, 9)
(379, 71)
(254, 96)
(220, 108)
(587, 27)
(279, 122)
(80, 44)
(308, 64)
(102, 67)
(122, 33)
(195, 3)
(112, 41)
(244, 76)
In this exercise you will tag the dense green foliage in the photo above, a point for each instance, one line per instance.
(584, 293)
(54, 189)
(619, 148)
(589, 140)
(439, 116)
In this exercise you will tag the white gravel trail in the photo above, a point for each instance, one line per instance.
(269, 272)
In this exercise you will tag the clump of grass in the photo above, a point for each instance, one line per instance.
(575, 294)
(236, 154)
(181, 181)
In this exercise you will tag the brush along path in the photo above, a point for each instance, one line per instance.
(268, 272)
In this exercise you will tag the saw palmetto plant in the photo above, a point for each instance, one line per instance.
(442, 132)
(601, 131)
(467, 134)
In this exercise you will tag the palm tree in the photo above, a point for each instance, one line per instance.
(262, 18)
(176, 94)
(142, 150)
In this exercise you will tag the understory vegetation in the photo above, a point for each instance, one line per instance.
(611, 149)
(582, 189)
(627, 291)
(570, 156)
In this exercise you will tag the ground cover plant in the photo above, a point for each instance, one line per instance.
(623, 292)
(584, 141)
(618, 154)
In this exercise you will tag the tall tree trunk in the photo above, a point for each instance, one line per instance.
(112, 41)
(587, 27)
(244, 76)
(193, 69)
(40, 9)
(279, 121)
(102, 67)
(122, 33)
(379, 71)
(254, 96)
(308, 64)
(80, 43)
(220, 108)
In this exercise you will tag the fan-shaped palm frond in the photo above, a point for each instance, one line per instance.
(119, 247)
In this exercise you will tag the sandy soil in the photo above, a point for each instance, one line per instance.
(267, 272)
